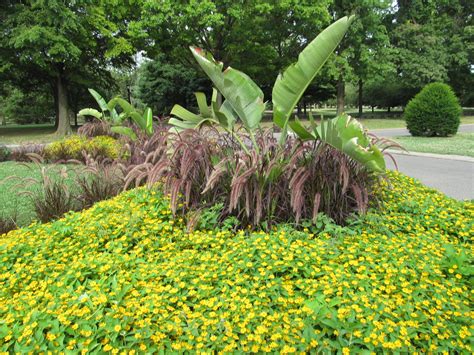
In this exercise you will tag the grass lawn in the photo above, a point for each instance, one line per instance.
(460, 144)
(12, 202)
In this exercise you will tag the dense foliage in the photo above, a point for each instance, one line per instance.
(126, 275)
(266, 185)
(435, 111)
(78, 147)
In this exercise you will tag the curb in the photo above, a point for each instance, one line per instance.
(434, 156)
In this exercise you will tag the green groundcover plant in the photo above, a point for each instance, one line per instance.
(126, 275)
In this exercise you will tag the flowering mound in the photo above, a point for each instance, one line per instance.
(126, 275)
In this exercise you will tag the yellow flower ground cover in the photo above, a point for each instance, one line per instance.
(125, 275)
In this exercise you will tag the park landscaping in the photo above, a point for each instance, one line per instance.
(211, 232)
(126, 274)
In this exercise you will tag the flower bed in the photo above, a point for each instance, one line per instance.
(125, 275)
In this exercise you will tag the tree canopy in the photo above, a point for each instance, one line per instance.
(392, 50)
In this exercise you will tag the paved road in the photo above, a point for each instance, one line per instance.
(394, 132)
(453, 177)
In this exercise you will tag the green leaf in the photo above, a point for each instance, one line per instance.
(91, 112)
(202, 103)
(186, 115)
(348, 135)
(148, 116)
(126, 107)
(100, 100)
(243, 95)
(301, 131)
(138, 119)
(124, 104)
(126, 131)
(290, 86)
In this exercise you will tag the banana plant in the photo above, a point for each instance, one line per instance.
(244, 99)
(345, 134)
(290, 86)
(222, 115)
(109, 114)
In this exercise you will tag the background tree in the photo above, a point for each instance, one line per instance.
(65, 44)
(358, 55)
(433, 42)
(162, 84)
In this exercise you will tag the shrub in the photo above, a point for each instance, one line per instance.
(266, 184)
(7, 223)
(78, 147)
(434, 111)
(96, 128)
(125, 275)
(4, 153)
(99, 181)
(24, 152)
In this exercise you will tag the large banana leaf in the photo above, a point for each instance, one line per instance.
(99, 99)
(126, 131)
(104, 106)
(148, 117)
(347, 135)
(290, 86)
(242, 94)
(222, 115)
(91, 112)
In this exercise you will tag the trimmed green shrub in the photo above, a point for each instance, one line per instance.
(434, 111)
(74, 147)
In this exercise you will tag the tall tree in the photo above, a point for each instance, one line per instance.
(433, 40)
(64, 43)
(360, 51)
(256, 36)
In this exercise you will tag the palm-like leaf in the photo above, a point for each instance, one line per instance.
(290, 86)
(91, 112)
(348, 135)
(242, 94)
(222, 115)
(126, 131)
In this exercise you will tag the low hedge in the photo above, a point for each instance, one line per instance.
(126, 275)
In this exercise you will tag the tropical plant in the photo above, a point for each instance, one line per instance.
(109, 114)
(244, 100)
(261, 188)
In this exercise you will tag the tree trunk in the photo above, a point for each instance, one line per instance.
(56, 106)
(360, 97)
(388, 110)
(304, 109)
(340, 95)
(64, 127)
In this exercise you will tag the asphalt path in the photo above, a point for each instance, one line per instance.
(455, 178)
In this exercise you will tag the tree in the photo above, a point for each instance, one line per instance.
(258, 37)
(162, 84)
(64, 44)
(359, 54)
(433, 42)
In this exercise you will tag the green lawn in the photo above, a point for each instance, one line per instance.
(460, 144)
(27, 134)
(12, 202)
